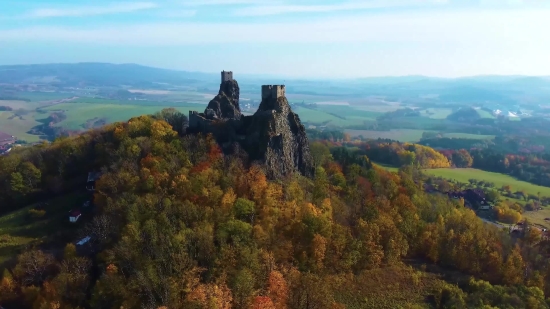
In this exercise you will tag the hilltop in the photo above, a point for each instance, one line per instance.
(175, 222)
(273, 135)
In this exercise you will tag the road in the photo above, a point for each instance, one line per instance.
(500, 226)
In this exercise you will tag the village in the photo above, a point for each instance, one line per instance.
(476, 200)
(7, 143)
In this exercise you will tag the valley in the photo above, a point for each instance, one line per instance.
(246, 194)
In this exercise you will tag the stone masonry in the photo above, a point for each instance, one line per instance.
(275, 91)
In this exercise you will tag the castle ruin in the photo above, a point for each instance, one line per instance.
(275, 91)
(273, 135)
(227, 76)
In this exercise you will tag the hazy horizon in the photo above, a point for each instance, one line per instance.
(306, 39)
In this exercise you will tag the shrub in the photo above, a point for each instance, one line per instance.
(36, 214)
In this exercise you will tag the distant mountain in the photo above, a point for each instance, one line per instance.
(96, 74)
(414, 90)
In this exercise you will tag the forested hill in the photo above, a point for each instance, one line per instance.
(177, 224)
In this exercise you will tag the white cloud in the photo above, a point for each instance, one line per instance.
(222, 2)
(499, 29)
(263, 10)
(178, 13)
(91, 10)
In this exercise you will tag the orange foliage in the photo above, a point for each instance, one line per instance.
(262, 302)
(277, 289)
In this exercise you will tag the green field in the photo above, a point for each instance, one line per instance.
(79, 113)
(387, 167)
(464, 174)
(485, 114)
(466, 135)
(437, 113)
(17, 230)
(319, 117)
(402, 135)
(44, 96)
(19, 104)
(538, 217)
(19, 127)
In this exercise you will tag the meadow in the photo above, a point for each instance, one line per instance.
(387, 167)
(410, 135)
(485, 114)
(78, 113)
(436, 113)
(18, 229)
(402, 135)
(19, 126)
(467, 135)
(44, 96)
(464, 174)
(340, 116)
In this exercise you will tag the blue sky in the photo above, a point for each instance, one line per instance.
(300, 38)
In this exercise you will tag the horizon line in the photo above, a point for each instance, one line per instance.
(278, 76)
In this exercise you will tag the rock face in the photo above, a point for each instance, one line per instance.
(274, 135)
(226, 104)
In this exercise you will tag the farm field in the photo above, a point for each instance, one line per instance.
(436, 113)
(19, 126)
(79, 113)
(470, 136)
(410, 135)
(318, 117)
(485, 114)
(16, 104)
(463, 174)
(44, 96)
(402, 135)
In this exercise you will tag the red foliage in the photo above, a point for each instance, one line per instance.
(200, 167)
(365, 187)
(149, 162)
(215, 153)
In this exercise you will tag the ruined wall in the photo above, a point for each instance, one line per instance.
(276, 91)
(227, 76)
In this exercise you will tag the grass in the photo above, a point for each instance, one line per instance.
(19, 127)
(485, 114)
(318, 117)
(402, 135)
(537, 217)
(464, 174)
(387, 167)
(18, 104)
(18, 231)
(467, 135)
(79, 113)
(44, 96)
(437, 113)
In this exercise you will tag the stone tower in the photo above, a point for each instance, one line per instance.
(275, 91)
(227, 76)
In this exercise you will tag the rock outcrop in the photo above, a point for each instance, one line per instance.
(274, 135)
(226, 104)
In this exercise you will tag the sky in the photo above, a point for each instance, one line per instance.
(295, 38)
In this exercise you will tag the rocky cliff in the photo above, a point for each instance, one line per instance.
(274, 135)
(226, 104)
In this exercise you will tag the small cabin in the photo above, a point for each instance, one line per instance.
(74, 215)
(92, 178)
